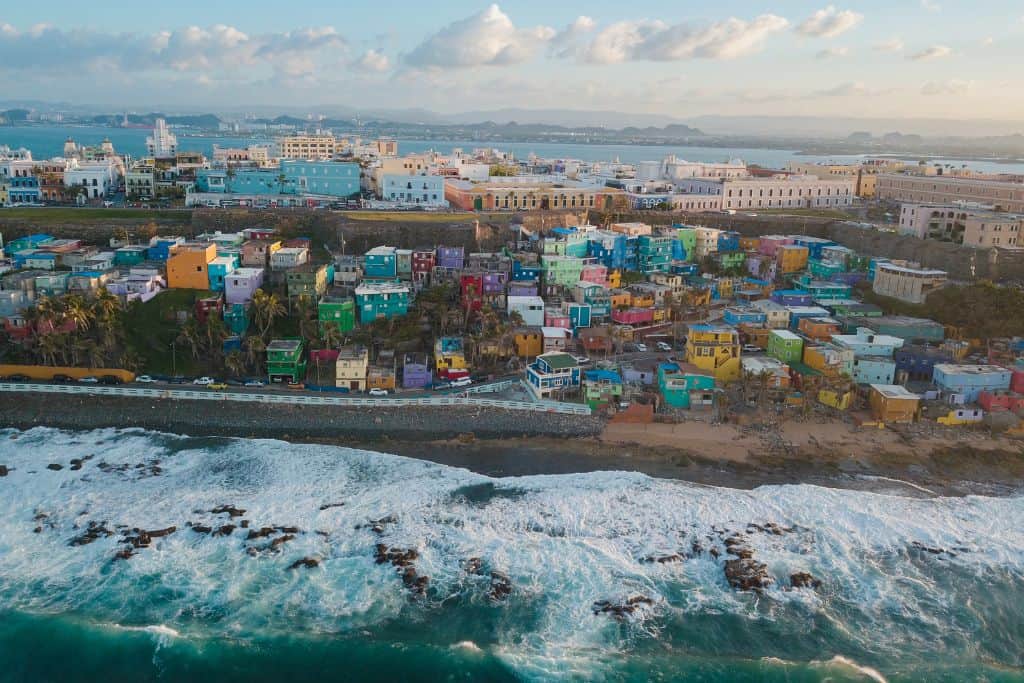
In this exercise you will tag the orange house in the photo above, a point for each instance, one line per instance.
(620, 299)
(187, 265)
(820, 329)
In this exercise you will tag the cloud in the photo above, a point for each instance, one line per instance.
(488, 38)
(931, 5)
(829, 22)
(950, 87)
(566, 42)
(833, 52)
(850, 89)
(988, 41)
(933, 52)
(890, 46)
(372, 60)
(657, 41)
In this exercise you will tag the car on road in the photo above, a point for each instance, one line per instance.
(296, 385)
(177, 379)
(641, 347)
(751, 348)
(583, 360)
(254, 383)
(111, 379)
(218, 386)
(203, 381)
(378, 392)
(18, 378)
(145, 379)
(464, 382)
(88, 380)
(63, 379)
(662, 346)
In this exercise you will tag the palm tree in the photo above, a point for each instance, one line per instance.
(331, 336)
(266, 309)
(234, 363)
(190, 337)
(254, 348)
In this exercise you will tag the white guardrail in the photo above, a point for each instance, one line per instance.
(293, 399)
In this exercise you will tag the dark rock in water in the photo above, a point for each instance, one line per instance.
(245, 523)
(163, 532)
(746, 574)
(75, 467)
(228, 509)
(288, 529)
(473, 565)
(803, 580)
(201, 528)
(402, 559)
(737, 545)
(501, 586)
(621, 610)
(714, 553)
(93, 531)
(770, 528)
(225, 530)
(263, 532)
(662, 559)
(4, 471)
(124, 554)
(928, 549)
(307, 562)
(377, 525)
(281, 540)
(328, 506)
(56, 467)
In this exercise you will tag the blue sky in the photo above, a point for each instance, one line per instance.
(934, 58)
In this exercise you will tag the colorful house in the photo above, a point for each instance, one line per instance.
(381, 301)
(819, 329)
(307, 280)
(381, 263)
(828, 359)
(449, 354)
(218, 269)
(188, 265)
(351, 367)
(529, 342)
(964, 383)
(714, 349)
(770, 370)
(785, 346)
(529, 308)
(416, 372)
(285, 360)
(685, 386)
(553, 375)
(892, 403)
(240, 285)
(337, 311)
(874, 370)
(791, 258)
(601, 388)
(257, 253)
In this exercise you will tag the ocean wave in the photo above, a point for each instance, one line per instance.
(556, 576)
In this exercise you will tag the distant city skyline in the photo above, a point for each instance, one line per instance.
(915, 58)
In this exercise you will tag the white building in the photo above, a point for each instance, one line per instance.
(98, 178)
(162, 144)
(529, 308)
(907, 283)
(424, 190)
(289, 257)
(778, 192)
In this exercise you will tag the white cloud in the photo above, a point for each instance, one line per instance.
(833, 52)
(566, 41)
(658, 41)
(892, 45)
(488, 38)
(930, 5)
(933, 52)
(987, 41)
(829, 22)
(372, 60)
(950, 87)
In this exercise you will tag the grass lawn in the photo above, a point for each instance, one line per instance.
(409, 216)
(151, 327)
(76, 215)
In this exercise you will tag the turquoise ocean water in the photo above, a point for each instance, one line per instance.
(912, 589)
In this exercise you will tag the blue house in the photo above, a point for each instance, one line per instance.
(814, 245)
(735, 315)
(23, 190)
(526, 273)
(728, 241)
(160, 247)
(218, 269)
(874, 370)
(917, 363)
(381, 263)
(27, 242)
(579, 314)
(553, 375)
(329, 178)
(966, 382)
(792, 297)
(413, 189)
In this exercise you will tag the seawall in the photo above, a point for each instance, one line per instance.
(282, 421)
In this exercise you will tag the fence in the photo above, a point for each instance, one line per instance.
(293, 399)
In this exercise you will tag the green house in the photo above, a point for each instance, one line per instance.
(729, 260)
(285, 360)
(685, 386)
(785, 346)
(654, 253)
(688, 238)
(337, 311)
(601, 388)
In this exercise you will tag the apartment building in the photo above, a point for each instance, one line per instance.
(307, 147)
(777, 192)
(1003, 195)
(907, 283)
(971, 226)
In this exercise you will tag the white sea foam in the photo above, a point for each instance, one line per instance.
(844, 662)
(565, 542)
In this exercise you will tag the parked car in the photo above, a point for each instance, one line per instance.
(662, 346)
(145, 379)
(464, 382)
(89, 380)
(254, 383)
(751, 348)
(377, 392)
(642, 348)
(178, 379)
(583, 360)
(219, 386)
(203, 381)
(111, 379)
(63, 379)
(296, 385)
(442, 385)
(18, 378)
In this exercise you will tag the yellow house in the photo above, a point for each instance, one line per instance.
(641, 300)
(716, 350)
(450, 354)
(620, 299)
(834, 399)
(187, 265)
(380, 378)
(529, 342)
(792, 258)
(659, 315)
(614, 280)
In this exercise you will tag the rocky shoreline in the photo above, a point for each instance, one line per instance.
(287, 422)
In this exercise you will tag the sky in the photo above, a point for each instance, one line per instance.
(871, 58)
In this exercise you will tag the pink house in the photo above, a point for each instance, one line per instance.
(1017, 381)
(1001, 400)
(595, 273)
(555, 318)
(771, 243)
(633, 316)
(240, 285)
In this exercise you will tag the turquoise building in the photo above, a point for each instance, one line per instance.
(685, 387)
(325, 178)
(381, 301)
(654, 254)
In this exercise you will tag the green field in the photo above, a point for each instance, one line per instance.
(151, 327)
(82, 216)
